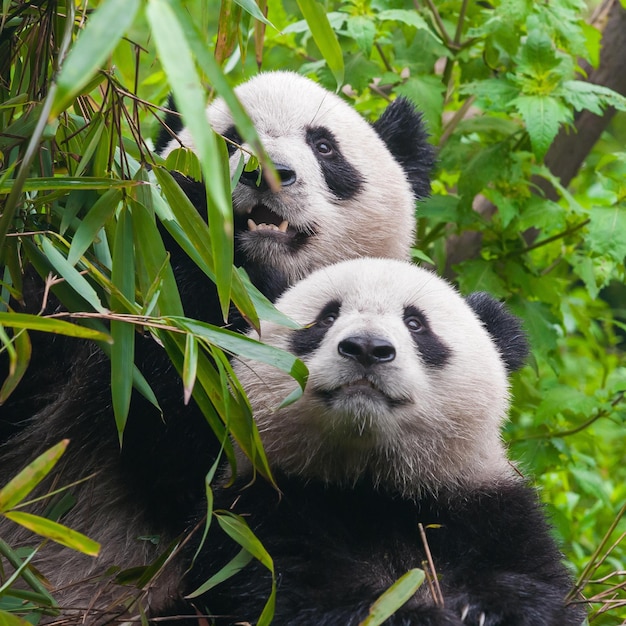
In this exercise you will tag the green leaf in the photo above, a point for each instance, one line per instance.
(479, 275)
(75, 280)
(19, 359)
(105, 27)
(22, 484)
(8, 619)
(92, 223)
(63, 183)
(237, 529)
(190, 366)
(234, 566)
(245, 347)
(55, 531)
(123, 333)
(253, 8)
(543, 116)
(324, 36)
(410, 18)
(51, 325)
(607, 231)
(363, 31)
(393, 598)
(167, 20)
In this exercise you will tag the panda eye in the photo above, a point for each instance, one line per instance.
(324, 147)
(328, 320)
(414, 324)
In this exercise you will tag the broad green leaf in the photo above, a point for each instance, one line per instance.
(324, 36)
(22, 484)
(607, 231)
(393, 598)
(105, 27)
(479, 275)
(51, 325)
(411, 18)
(92, 223)
(123, 333)
(55, 531)
(543, 116)
(361, 28)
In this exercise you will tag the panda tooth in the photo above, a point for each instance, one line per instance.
(252, 225)
(283, 226)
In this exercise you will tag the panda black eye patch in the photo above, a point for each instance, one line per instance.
(430, 348)
(307, 339)
(342, 178)
(232, 137)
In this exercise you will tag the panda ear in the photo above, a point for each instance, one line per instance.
(402, 129)
(504, 327)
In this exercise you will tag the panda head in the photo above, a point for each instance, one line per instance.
(407, 380)
(348, 188)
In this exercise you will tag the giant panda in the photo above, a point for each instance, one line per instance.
(399, 426)
(349, 189)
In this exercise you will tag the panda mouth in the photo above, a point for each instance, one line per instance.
(360, 387)
(262, 218)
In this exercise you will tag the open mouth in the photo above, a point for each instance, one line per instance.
(261, 217)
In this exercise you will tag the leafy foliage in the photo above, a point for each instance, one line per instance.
(496, 81)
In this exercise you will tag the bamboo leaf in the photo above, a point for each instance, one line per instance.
(190, 366)
(166, 20)
(22, 484)
(234, 566)
(394, 597)
(55, 531)
(103, 31)
(324, 36)
(51, 325)
(93, 222)
(71, 275)
(19, 358)
(64, 183)
(123, 349)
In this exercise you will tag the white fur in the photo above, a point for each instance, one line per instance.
(379, 221)
(447, 430)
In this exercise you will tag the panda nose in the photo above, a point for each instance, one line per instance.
(367, 350)
(253, 178)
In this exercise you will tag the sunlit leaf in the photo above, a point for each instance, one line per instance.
(55, 531)
(394, 597)
(103, 31)
(324, 36)
(22, 484)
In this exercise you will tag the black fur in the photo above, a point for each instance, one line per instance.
(432, 349)
(173, 124)
(340, 176)
(504, 327)
(307, 339)
(336, 550)
(402, 129)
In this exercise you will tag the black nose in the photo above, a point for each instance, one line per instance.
(254, 178)
(367, 350)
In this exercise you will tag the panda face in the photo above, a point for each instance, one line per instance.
(342, 193)
(406, 387)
